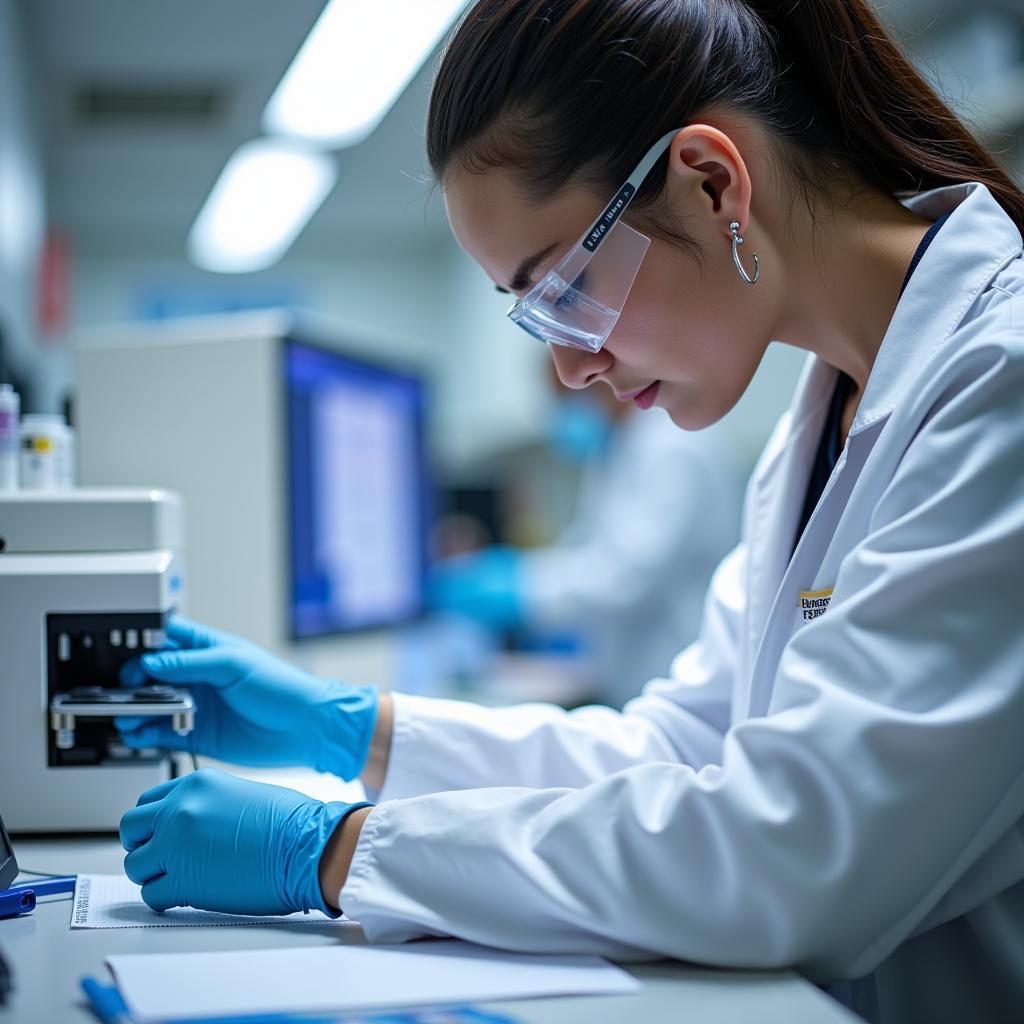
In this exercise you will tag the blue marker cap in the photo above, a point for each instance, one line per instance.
(17, 901)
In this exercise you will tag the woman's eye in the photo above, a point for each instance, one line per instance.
(566, 298)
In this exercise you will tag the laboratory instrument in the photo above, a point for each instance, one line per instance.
(88, 578)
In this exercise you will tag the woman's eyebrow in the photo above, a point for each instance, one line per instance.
(521, 278)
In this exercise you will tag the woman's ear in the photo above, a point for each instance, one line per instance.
(707, 174)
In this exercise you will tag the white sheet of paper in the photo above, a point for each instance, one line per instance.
(114, 901)
(315, 979)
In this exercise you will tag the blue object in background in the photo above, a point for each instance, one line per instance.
(485, 586)
(580, 428)
(171, 300)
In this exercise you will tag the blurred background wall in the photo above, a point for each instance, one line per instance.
(23, 209)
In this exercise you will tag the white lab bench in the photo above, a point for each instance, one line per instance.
(47, 959)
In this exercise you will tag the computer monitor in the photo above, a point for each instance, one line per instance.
(357, 492)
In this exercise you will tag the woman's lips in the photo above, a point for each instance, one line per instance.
(645, 399)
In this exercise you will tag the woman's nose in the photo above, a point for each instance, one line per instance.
(578, 368)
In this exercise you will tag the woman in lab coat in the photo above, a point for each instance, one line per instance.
(832, 776)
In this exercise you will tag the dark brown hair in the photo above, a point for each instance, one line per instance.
(577, 90)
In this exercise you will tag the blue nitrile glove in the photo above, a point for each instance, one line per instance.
(485, 586)
(253, 708)
(216, 842)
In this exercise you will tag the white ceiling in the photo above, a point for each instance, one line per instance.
(136, 187)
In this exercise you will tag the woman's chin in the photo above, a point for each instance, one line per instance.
(691, 415)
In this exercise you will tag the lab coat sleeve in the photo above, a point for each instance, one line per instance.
(440, 745)
(890, 762)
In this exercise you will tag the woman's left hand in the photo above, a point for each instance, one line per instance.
(216, 842)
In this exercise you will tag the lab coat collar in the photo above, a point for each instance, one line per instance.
(977, 240)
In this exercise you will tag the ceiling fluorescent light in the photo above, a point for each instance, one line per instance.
(357, 60)
(264, 197)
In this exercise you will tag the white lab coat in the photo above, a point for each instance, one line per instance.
(656, 515)
(843, 795)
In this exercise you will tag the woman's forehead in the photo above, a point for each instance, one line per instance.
(495, 224)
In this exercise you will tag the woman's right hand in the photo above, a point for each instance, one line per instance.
(251, 707)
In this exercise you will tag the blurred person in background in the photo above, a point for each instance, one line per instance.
(657, 509)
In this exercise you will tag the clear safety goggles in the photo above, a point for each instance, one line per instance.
(578, 302)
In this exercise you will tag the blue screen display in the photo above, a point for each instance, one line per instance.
(357, 488)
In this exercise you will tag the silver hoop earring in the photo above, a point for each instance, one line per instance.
(737, 241)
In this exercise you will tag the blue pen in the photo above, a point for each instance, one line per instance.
(45, 886)
(106, 1002)
(110, 1007)
(21, 898)
(14, 903)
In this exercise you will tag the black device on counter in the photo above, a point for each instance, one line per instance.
(8, 865)
(8, 873)
(6, 982)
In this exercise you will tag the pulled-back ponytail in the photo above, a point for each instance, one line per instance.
(560, 90)
(889, 123)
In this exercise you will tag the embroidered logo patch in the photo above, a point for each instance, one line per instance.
(813, 603)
